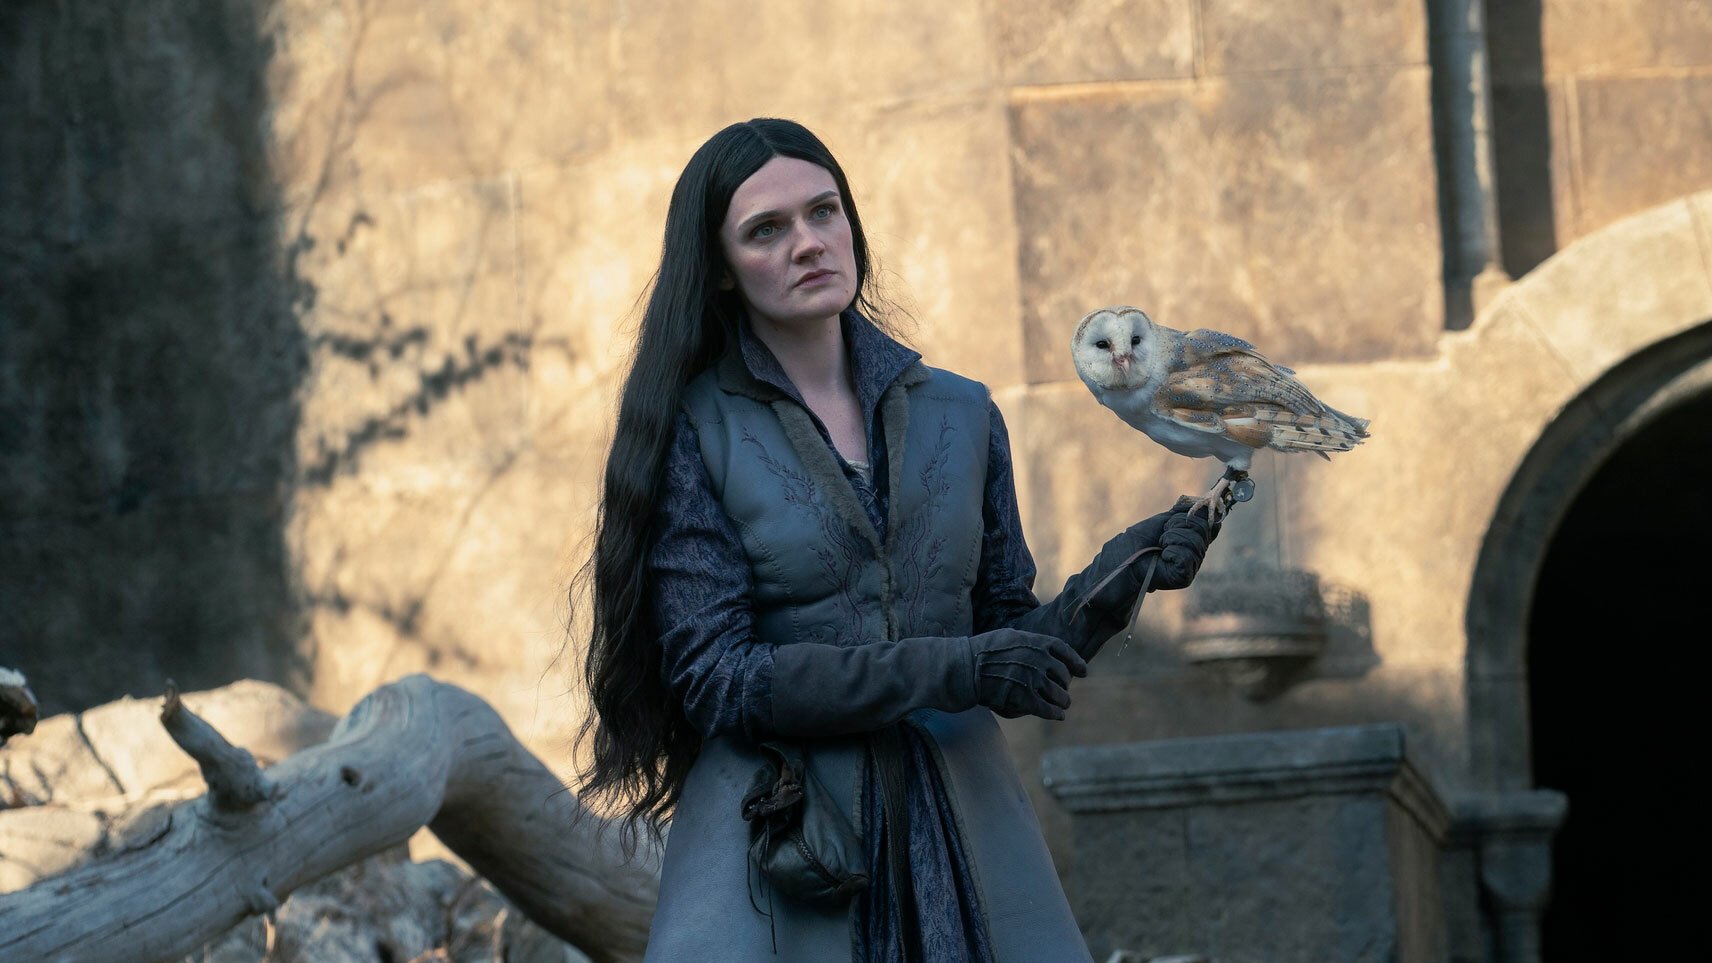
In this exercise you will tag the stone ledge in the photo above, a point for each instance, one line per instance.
(1242, 768)
(1512, 813)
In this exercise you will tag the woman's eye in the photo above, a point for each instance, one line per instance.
(764, 231)
(1102, 345)
(1135, 340)
(824, 211)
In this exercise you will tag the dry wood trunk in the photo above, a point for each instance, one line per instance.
(416, 752)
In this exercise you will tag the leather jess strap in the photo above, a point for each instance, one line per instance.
(887, 746)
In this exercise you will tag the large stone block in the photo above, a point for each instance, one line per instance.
(1253, 206)
(465, 581)
(589, 236)
(932, 180)
(1307, 845)
(1640, 141)
(1601, 36)
(392, 95)
(1238, 36)
(1464, 420)
(1069, 41)
(38, 842)
(686, 70)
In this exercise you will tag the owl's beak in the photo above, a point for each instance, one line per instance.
(1123, 361)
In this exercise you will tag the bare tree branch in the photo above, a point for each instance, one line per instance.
(235, 784)
(416, 752)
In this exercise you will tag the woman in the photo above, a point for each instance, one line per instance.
(808, 536)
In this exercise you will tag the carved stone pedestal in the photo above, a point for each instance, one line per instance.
(1315, 845)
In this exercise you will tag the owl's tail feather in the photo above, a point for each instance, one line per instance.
(1358, 424)
(1316, 433)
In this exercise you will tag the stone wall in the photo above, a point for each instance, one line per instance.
(1599, 109)
(483, 190)
(323, 304)
(1230, 164)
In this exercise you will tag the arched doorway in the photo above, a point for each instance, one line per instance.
(1622, 608)
(1590, 432)
(1626, 314)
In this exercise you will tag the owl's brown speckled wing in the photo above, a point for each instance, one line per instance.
(1221, 385)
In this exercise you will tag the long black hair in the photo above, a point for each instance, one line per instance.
(643, 744)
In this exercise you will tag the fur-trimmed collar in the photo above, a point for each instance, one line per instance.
(877, 361)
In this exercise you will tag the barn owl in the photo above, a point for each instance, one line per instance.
(1204, 394)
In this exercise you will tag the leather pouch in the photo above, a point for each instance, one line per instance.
(800, 841)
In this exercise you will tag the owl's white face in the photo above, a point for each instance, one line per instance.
(1110, 347)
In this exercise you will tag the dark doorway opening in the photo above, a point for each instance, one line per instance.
(1620, 619)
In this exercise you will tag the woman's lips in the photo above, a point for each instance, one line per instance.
(813, 276)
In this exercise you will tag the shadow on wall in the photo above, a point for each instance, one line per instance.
(150, 353)
(1521, 135)
(160, 320)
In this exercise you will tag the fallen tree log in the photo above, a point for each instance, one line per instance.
(118, 754)
(416, 752)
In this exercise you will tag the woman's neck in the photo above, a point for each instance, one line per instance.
(814, 357)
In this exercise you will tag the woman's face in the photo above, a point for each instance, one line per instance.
(787, 244)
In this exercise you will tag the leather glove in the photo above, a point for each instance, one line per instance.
(1183, 546)
(825, 690)
(1098, 601)
(1024, 674)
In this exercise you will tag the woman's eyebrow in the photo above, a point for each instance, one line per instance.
(756, 218)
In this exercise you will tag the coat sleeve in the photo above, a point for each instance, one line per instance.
(1004, 584)
(710, 660)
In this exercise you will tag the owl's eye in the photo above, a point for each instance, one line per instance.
(1102, 344)
(1135, 341)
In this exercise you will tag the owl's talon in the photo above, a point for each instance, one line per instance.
(1217, 501)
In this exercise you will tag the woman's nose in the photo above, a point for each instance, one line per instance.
(809, 245)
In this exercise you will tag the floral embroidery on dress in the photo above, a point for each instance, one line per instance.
(841, 564)
(921, 556)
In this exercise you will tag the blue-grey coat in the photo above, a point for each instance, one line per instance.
(771, 541)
